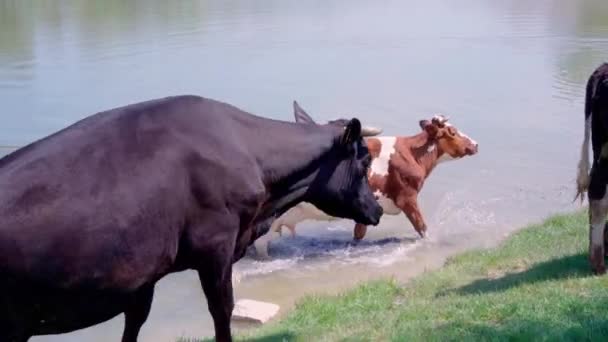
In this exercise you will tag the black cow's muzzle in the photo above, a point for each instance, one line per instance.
(374, 217)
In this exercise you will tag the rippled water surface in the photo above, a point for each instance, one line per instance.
(509, 73)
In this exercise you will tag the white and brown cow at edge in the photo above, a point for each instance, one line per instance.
(400, 166)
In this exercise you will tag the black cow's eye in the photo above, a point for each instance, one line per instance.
(367, 162)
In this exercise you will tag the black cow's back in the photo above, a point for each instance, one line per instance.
(114, 189)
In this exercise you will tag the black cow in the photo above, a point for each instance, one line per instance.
(91, 217)
(596, 181)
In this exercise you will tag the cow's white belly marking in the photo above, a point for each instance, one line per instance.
(387, 204)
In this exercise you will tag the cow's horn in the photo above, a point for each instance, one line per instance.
(368, 131)
(440, 119)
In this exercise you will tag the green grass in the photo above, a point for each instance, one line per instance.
(536, 286)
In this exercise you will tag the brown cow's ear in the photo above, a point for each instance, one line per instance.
(424, 123)
(431, 130)
(352, 132)
(301, 116)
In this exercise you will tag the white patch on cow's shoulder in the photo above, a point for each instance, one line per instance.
(387, 204)
(431, 148)
(380, 164)
(380, 167)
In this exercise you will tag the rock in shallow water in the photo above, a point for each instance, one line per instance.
(248, 310)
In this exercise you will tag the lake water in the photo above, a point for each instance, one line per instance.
(510, 73)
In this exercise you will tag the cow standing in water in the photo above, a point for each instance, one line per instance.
(596, 181)
(400, 166)
(91, 217)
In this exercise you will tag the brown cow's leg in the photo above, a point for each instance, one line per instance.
(217, 285)
(598, 209)
(292, 229)
(137, 314)
(360, 231)
(409, 205)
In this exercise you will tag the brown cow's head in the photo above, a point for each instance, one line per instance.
(451, 143)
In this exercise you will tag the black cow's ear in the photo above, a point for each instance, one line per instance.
(352, 132)
(301, 116)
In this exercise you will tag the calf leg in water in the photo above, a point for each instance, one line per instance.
(217, 285)
(409, 205)
(598, 210)
(261, 244)
(137, 313)
(360, 231)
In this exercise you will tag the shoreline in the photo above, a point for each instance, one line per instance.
(290, 321)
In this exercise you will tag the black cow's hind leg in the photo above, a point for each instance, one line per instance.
(216, 279)
(137, 313)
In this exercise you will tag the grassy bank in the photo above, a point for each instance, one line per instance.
(535, 286)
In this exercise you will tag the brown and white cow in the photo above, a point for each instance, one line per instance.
(400, 166)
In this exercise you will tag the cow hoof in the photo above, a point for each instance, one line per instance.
(599, 271)
(596, 259)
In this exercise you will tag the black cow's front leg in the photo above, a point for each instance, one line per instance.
(137, 313)
(217, 285)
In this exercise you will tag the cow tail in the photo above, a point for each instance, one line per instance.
(583, 177)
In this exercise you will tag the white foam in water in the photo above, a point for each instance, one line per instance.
(314, 253)
(333, 228)
(457, 213)
(265, 267)
(465, 215)
(398, 254)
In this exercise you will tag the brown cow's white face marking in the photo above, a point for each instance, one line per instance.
(453, 143)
